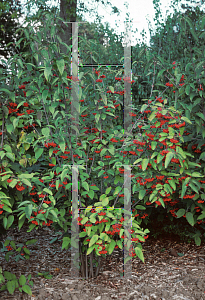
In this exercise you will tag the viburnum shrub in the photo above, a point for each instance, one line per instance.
(104, 203)
(143, 168)
(27, 210)
(163, 128)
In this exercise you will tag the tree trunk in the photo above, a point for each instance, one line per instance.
(68, 14)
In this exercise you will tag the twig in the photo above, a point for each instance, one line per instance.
(98, 267)
(153, 78)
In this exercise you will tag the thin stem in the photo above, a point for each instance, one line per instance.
(91, 264)
(153, 79)
(2, 137)
(98, 267)
(86, 265)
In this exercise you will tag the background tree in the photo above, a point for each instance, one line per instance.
(69, 11)
(171, 33)
(10, 12)
(180, 47)
(94, 33)
(67, 8)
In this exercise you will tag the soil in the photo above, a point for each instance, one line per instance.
(163, 276)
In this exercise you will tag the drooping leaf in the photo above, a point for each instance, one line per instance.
(93, 240)
(180, 212)
(169, 156)
(60, 64)
(190, 219)
(145, 162)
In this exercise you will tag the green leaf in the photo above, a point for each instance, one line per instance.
(45, 131)
(103, 151)
(188, 66)
(153, 195)
(169, 156)
(6, 111)
(119, 243)
(159, 158)
(5, 222)
(196, 174)
(181, 152)
(200, 115)
(27, 289)
(84, 220)
(194, 188)
(11, 285)
(48, 191)
(45, 95)
(11, 156)
(137, 161)
(144, 106)
(31, 242)
(100, 173)
(28, 210)
(20, 63)
(53, 160)
(191, 27)
(47, 72)
(184, 187)
(187, 90)
(54, 213)
(145, 162)
(2, 279)
(10, 221)
(25, 181)
(22, 280)
(160, 73)
(202, 216)
(21, 220)
(141, 194)
(95, 188)
(139, 253)
(90, 249)
(62, 144)
(171, 131)
(111, 88)
(60, 64)
(15, 123)
(140, 207)
(152, 116)
(91, 194)
(108, 190)
(186, 120)
(190, 219)
(180, 212)
(66, 242)
(93, 240)
(6, 91)
(39, 115)
(111, 150)
(111, 246)
(105, 201)
(25, 175)
(93, 220)
(38, 152)
(172, 184)
(85, 185)
(63, 174)
(197, 240)
(97, 117)
(10, 128)
(117, 190)
(153, 145)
